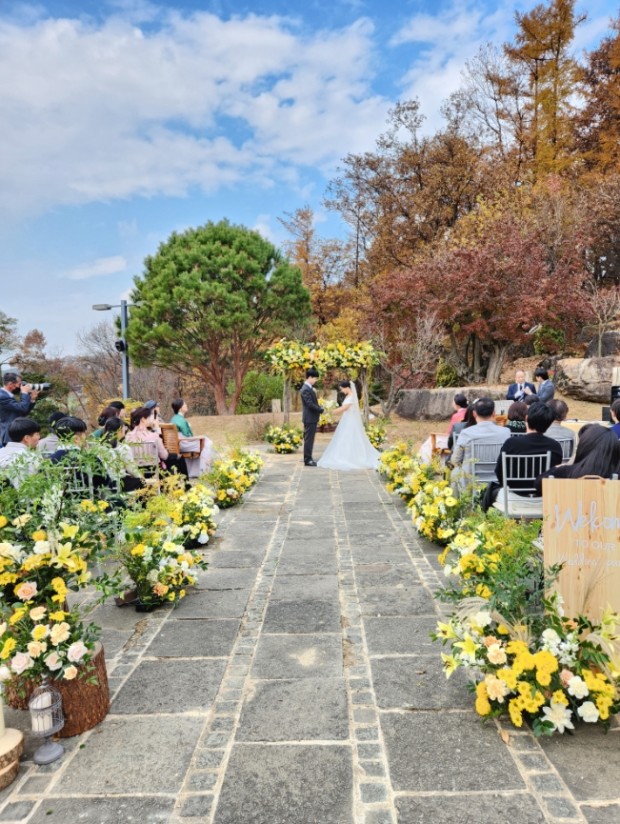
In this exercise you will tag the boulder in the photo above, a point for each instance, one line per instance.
(610, 345)
(436, 404)
(588, 379)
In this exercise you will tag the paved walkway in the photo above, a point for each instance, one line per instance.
(299, 686)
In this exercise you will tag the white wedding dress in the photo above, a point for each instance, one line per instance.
(350, 447)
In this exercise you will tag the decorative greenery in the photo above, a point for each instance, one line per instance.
(377, 433)
(258, 390)
(549, 670)
(230, 478)
(284, 439)
(290, 356)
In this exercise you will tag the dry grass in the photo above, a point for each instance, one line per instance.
(228, 430)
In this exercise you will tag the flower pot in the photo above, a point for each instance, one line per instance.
(84, 704)
(327, 427)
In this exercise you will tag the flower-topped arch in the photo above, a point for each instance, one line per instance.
(291, 358)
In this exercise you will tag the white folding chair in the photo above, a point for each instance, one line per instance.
(484, 457)
(146, 458)
(522, 471)
(567, 445)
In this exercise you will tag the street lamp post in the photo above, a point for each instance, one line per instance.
(121, 345)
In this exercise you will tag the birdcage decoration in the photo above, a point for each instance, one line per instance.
(46, 718)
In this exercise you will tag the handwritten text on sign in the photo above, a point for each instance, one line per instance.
(582, 531)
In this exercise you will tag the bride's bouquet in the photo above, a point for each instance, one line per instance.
(326, 419)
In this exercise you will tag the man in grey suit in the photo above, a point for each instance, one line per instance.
(546, 388)
(485, 430)
(311, 412)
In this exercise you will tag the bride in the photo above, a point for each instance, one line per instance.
(350, 447)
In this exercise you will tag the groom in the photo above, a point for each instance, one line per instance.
(311, 412)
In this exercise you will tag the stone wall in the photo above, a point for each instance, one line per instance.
(436, 404)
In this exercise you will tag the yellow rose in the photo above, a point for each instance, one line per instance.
(39, 535)
(70, 673)
(3, 521)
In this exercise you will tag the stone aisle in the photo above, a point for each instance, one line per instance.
(300, 686)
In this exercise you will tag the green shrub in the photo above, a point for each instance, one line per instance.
(259, 388)
(446, 374)
(549, 341)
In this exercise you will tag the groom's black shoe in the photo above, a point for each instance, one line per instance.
(310, 463)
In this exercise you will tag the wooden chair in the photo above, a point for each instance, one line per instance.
(437, 448)
(501, 420)
(170, 437)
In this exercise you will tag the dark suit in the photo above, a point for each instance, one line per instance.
(11, 408)
(532, 443)
(513, 393)
(311, 412)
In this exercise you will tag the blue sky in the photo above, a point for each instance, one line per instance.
(128, 119)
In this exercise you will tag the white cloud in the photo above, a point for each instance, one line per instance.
(100, 111)
(98, 268)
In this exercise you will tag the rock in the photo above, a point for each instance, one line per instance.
(588, 379)
(436, 404)
(611, 345)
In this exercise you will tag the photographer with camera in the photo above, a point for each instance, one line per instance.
(10, 406)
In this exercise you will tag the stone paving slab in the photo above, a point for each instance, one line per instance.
(105, 810)
(491, 808)
(297, 710)
(431, 751)
(578, 758)
(314, 587)
(285, 784)
(602, 815)
(400, 634)
(113, 760)
(298, 656)
(302, 617)
(417, 683)
(204, 639)
(170, 686)
(226, 604)
(390, 601)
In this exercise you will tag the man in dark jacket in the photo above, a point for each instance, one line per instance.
(311, 412)
(538, 419)
(10, 406)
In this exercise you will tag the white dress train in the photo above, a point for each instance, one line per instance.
(350, 447)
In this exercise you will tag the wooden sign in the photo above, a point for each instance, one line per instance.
(581, 530)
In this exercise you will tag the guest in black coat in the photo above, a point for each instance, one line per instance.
(538, 419)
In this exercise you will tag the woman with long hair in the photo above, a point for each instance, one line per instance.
(598, 453)
(142, 419)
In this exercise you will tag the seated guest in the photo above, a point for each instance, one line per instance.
(50, 442)
(107, 414)
(516, 417)
(528, 400)
(485, 430)
(72, 434)
(556, 430)
(188, 443)
(516, 390)
(142, 423)
(120, 408)
(130, 476)
(468, 420)
(459, 405)
(19, 457)
(615, 416)
(598, 453)
(537, 421)
(545, 388)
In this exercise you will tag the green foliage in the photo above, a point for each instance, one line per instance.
(446, 374)
(210, 299)
(549, 341)
(258, 390)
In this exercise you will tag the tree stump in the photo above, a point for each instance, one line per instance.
(84, 704)
(11, 748)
